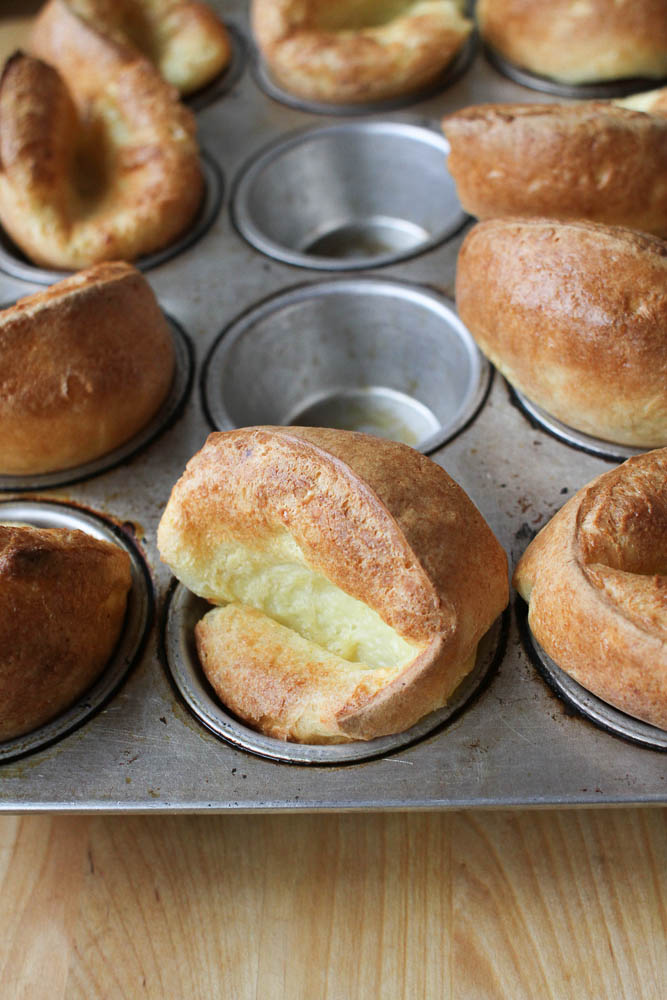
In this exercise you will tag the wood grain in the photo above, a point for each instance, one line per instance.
(480, 905)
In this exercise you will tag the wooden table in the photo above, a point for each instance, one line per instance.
(552, 904)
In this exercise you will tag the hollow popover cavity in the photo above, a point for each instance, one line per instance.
(574, 315)
(98, 157)
(358, 50)
(83, 367)
(355, 579)
(595, 580)
(62, 603)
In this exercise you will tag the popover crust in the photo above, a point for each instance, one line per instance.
(355, 51)
(84, 366)
(98, 158)
(186, 41)
(62, 604)
(575, 316)
(377, 520)
(592, 160)
(595, 580)
(576, 42)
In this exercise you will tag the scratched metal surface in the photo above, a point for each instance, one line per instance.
(516, 744)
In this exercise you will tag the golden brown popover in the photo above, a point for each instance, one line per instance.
(62, 604)
(355, 579)
(592, 160)
(595, 580)
(185, 39)
(98, 157)
(83, 367)
(575, 42)
(575, 316)
(358, 50)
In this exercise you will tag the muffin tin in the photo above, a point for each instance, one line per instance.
(159, 742)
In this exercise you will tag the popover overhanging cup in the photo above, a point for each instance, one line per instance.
(593, 160)
(357, 52)
(76, 605)
(354, 579)
(92, 370)
(596, 49)
(595, 579)
(98, 158)
(575, 316)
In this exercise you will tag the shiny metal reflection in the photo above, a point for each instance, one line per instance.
(367, 354)
(348, 196)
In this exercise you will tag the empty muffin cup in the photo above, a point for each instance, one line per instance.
(137, 623)
(383, 357)
(14, 262)
(353, 195)
(184, 611)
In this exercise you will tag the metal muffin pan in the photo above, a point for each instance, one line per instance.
(363, 354)
(184, 610)
(515, 743)
(16, 265)
(137, 624)
(336, 197)
(602, 90)
(165, 416)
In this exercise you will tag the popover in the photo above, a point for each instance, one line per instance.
(595, 580)
(354, 579)
(98, 158)
(592, 160)
(575, 42)
(575, 316)
(84, 366)
(184, 39)
(62, 604)
(358, 50)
